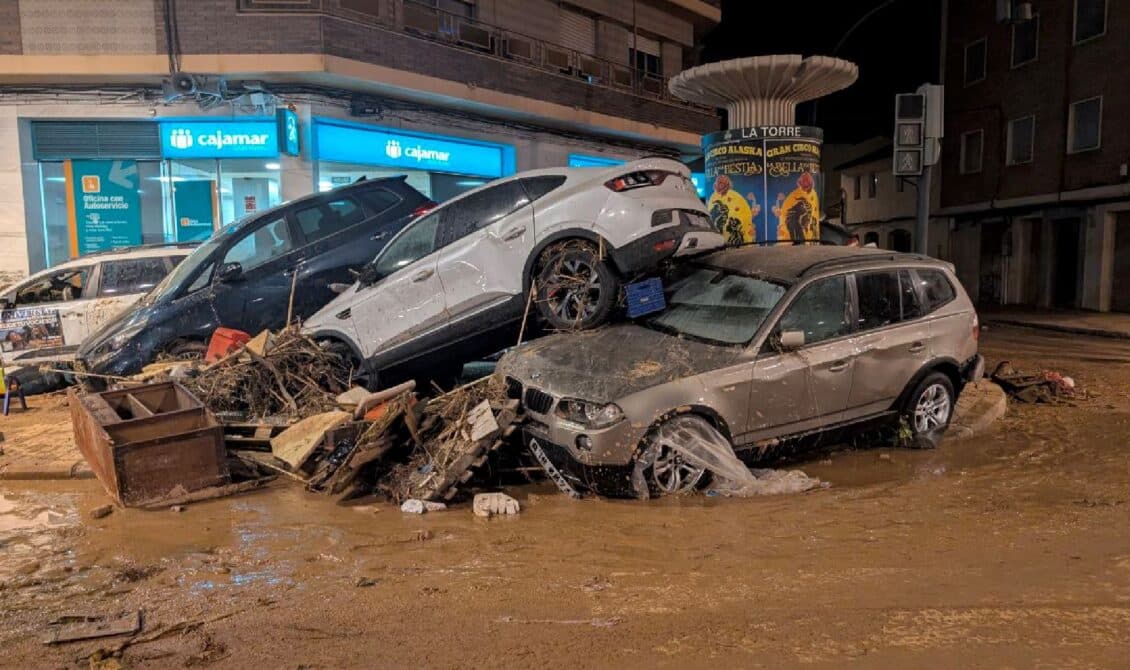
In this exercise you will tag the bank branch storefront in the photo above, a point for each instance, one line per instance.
(108, 184)
(440, 166)
(111, 184)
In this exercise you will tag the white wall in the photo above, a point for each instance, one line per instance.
(13, 236)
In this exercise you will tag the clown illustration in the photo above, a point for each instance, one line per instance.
(731, 214)
(798, 213)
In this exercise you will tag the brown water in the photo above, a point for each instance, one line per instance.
(1007, 550)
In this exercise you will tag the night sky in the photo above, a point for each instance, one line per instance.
(896, 49)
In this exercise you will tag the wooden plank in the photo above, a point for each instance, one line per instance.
(88, 628)
(296, 444)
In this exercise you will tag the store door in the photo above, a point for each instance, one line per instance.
(1066, 263)
(1120, 295)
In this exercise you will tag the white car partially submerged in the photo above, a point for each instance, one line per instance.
(45, 317)
(456, 282)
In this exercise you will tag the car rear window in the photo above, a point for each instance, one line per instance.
(379, 200)
(879, 299)
(321, 221)
(537, 187)
(138, 275)
(936, 288)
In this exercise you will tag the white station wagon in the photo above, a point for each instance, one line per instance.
(46, 316)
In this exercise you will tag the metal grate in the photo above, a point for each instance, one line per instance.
(538, 401)
(60, 140)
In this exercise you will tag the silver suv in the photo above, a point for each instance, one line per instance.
(757, 347)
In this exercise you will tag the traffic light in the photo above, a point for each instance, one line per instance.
(910, 134)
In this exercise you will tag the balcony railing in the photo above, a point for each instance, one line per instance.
(427, 22)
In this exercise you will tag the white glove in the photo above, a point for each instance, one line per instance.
(490, 504)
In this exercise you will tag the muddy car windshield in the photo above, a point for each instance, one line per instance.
(717, 306)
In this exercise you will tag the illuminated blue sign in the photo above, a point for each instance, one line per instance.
(581, 160)
(205, 138)
(699, 181)
(288, 132)
(370, 145)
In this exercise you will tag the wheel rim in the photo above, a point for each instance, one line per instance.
(574, 290)
(671, 473)
(933, 409)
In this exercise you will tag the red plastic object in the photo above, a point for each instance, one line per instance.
(223, 342)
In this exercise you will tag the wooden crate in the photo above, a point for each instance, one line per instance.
(149, 442)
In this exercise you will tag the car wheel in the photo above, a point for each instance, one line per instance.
(188, 350)
(576, 288)
(930, 407)
(660, 468)
(347, 364)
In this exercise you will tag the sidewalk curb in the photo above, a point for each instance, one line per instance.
(977, 417)
(43, 471)
(1074, 330)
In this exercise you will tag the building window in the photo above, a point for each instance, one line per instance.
(971, 145)
(1025, 41)
(1085, 125)
(1021, 137)
(872, 184)
(857, 183)
(648, 64)
(975, 53)
(1090, 19)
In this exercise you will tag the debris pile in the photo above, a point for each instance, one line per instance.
(285, 374)
(1047, 387)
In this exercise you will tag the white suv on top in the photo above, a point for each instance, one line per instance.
(453, 284)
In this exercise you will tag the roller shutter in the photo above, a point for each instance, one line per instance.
(577, 32)
(59, 140)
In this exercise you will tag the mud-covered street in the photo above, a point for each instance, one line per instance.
(1010, 549)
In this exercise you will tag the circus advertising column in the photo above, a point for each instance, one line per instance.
(765, 183)
(764, 171)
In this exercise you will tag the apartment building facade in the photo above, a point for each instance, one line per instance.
(142, 121)
(1034, 167)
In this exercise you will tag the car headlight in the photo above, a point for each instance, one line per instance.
(122, 338)
(588, 414)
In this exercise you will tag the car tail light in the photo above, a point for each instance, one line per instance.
(664, 246)
(423, 209)
(638, 180)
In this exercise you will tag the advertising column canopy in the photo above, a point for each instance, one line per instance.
(219, 138)
(373, 145)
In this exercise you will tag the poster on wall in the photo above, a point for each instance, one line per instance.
(193, 201)
(764, 183)
(30, 328)
(107, 206)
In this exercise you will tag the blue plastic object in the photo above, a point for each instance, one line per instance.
(645, 297)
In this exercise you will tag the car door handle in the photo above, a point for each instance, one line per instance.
(422, 275)
(838, 366)
(917, 348)
(379, 236)
(514, 233)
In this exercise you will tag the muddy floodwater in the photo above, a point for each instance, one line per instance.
(1006, 550)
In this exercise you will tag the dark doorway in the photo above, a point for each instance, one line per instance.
(1120, 282)
(993, 251)
(871, 238)
(899, 240)
(1066, 263)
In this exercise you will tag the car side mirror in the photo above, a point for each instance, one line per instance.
(338, 287)
(229, 272)
(791, 340)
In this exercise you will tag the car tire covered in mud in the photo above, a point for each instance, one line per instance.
(576, 288)
(660, 467)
